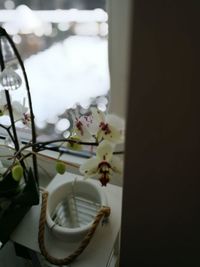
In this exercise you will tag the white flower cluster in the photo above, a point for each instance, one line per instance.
(107, 130)
(104, 130)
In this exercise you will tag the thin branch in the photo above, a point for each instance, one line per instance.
(29, 100)
(41, 145)
(8, 131)
(24, 156)
(50, 158)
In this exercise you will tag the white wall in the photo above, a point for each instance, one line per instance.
(119, 40)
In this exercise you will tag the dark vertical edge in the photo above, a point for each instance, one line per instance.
(161, 191)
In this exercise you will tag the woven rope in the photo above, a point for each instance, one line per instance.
(103, 212)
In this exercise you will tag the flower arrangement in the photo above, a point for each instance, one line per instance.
(19, 182)
(107, 131)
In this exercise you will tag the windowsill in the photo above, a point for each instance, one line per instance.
(46, 166)
(76, 160)
(72, 162)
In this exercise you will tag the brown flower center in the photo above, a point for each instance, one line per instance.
(105, 127)
(79, 126)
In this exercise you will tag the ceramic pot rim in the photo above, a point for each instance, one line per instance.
(65, 231)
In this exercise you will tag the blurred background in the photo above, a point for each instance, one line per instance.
(64, 46)
(55, 20)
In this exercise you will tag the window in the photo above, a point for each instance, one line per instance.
(65, 51)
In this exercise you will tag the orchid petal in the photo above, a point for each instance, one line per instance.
(90, 167)
(82, 132)
(115, 121)
(105, 150)
(114, 135)
(19, 110)
(93, 121)
(117, 128)
(99, 135)
(116, 164)
(19, 107)
(3, 103)
(90, 124)
(97, 115)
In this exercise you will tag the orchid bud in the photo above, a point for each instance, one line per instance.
(60, 167)
(17, 172)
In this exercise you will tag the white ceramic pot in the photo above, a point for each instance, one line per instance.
(72, 207)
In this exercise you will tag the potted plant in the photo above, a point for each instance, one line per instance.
(19, 183)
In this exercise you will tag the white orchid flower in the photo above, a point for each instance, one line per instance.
(81, 128)
(103, 127)
(109, 127)
(103, 164)
(20, 112)
(3, 104)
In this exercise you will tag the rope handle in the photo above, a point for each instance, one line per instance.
(103, 212)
